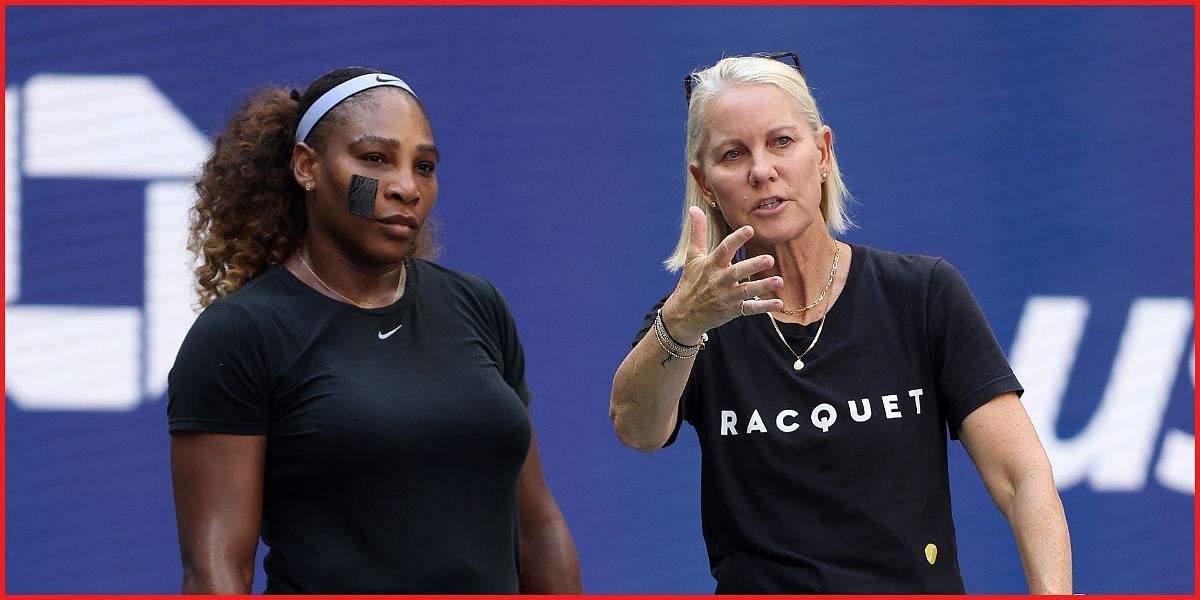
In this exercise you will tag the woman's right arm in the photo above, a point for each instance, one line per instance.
(218, 482)
(646, 388)
(644, 406)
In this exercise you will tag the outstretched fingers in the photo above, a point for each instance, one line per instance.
(743, 269)
(759, 287)
(751, 304)
(712, 290)
(725, 251)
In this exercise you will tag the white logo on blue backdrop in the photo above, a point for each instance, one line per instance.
(110, 358)
(113, 358)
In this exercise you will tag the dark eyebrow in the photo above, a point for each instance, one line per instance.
(363, 139)
(431, 149)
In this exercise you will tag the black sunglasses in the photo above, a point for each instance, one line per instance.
(687, 81)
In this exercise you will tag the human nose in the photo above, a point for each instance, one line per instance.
(761, 169)
(402, 187)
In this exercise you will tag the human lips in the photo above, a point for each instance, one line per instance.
(399, 226)
(769, 204)
(400, 219)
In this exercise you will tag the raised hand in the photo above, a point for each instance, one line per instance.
(711, 292)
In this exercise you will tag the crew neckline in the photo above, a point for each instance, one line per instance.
(411, 285)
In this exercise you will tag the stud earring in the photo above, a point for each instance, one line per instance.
(713, 205)
(308, 187)
(824, 175)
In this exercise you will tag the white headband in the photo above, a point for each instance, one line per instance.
(340, 92)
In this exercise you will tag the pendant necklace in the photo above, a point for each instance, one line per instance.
(799, 364)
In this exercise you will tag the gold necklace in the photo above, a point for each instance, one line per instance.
(399, 284)
(837, 252)
(799, 364)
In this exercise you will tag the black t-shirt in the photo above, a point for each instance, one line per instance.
(834, 479)
(395, 434)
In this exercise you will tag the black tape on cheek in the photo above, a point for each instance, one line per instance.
(360, 202)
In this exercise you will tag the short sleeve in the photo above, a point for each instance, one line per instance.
(511, 351)
(647, 322)
(970, 367)
(221, 381)
(688, 390)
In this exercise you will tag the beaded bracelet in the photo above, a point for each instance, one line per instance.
(670, 345)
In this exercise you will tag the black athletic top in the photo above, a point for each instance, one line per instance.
(395, 434)
(834, 479)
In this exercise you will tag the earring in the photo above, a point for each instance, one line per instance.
(824, 175)
(308, 187)
(713, 205)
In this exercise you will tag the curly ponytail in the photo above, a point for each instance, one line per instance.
(250, 212)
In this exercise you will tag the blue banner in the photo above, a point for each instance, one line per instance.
(1047, 152)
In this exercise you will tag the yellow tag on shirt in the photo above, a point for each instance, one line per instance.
(931, 553)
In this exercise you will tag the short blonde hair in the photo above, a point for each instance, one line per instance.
(706, 85)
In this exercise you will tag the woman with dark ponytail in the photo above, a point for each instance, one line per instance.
(362, 409)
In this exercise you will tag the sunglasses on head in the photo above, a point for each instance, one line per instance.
(795, 61)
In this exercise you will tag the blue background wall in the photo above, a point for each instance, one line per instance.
(1047, 152)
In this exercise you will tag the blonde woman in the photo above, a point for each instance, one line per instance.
(822, 377)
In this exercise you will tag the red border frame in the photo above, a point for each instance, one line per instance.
(600, 3)
(1195, 213)
(1195, 285)
(3, 312)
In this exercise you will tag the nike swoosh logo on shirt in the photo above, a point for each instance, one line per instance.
(384, 336)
